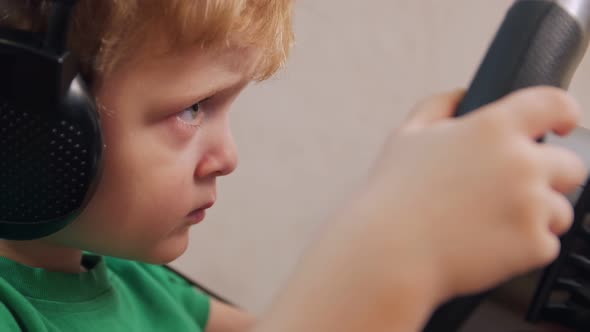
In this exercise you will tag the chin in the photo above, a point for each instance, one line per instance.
(168, 249)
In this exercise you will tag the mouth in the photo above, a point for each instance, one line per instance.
(197, 215)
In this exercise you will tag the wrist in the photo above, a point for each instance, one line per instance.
(357, 278)
(396, 251)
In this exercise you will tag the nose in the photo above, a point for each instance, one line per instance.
(220, 158)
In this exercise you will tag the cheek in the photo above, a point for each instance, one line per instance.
(145, 191)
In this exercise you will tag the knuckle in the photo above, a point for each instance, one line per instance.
(547, 248)
(529, 211)
(580, 170)
(566, 221)
(577, 173)
(545, 98)
(568, 213)
(555, 99)
(572, 170)
(490, 125)
(530, 97)
(525, 164)
(564, 217)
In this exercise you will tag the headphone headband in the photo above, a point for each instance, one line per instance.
(56, 37)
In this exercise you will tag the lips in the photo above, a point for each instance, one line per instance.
(197, 215)
(207, 205)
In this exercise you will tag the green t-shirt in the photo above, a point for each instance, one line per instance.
(114, 295)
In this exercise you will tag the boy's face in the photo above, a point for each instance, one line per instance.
(163, 153)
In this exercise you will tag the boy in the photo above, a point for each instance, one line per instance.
(164, 74)
(175, 97)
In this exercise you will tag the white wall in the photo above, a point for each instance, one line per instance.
(308, 136)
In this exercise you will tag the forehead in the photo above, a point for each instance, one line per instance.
(178, 76)
(160, 57)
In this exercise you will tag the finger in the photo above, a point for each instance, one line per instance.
(539, 110)
(434, 109)
(537, 249)
(566, 171)
(548, 249)
(562, 213)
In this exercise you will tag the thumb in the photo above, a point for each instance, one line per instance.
(434, 109)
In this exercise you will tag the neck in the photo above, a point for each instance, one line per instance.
(41, 254)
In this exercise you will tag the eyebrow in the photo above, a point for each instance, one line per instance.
(193, 79)
(178, 101)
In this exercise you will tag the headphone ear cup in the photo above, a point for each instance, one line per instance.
(49, 163)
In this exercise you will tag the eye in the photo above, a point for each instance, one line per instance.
(192, 115)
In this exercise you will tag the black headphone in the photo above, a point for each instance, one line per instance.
(50, 137)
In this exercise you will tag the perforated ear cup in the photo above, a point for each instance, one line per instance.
(50, 138)
(49, 163)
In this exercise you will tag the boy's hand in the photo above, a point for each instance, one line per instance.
(476, 197)
(452, 206)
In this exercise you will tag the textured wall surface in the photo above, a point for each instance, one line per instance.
(308, 136)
